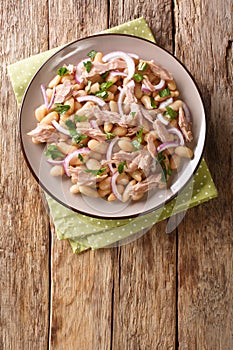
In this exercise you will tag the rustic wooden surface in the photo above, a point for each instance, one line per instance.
(161, 291)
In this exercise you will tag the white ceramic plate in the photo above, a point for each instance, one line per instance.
(58, 188)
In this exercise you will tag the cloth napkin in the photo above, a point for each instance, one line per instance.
(85, 232)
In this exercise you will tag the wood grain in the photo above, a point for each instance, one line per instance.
(24, 226)
(160, 291)
(205, 257)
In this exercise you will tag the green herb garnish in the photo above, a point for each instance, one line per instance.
(152, 102)
(136, 143)
(164, 92)
(80, 118)
(106, 85)
(104, 75)
(102, 94)
(160, 159)
(60, 108)
(96, 172)
(142, 66)
(138, 77)
(121, 167)
(88, 85)
(53, 152)
(77, 137)
(92, 54)
(62, 71)
(171, 113)
(80, 157)
(133, 114)
(109, 135)
(87, 65)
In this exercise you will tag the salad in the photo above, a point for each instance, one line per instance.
(114, 125)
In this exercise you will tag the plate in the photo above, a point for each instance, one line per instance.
(58, 188)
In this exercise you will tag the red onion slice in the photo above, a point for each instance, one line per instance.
(160, 85)
(187, 113)
(60, 128)
(162, 119)
(119, 54)
(94, 125)
(178, 133)
(78, 74)
(52, 98)
(55, 162)
(43, 89)
(145, 89)
(166, 103)
(109, 152)
(120, 101)
(95, 99)
(116, 74)
(114, 186)
(166, 145)
(70, 156)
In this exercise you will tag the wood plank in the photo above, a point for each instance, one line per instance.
(144, 315)
(24, 226)
(205, 249)
(81, 284)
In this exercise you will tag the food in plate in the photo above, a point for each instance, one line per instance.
(115, 125)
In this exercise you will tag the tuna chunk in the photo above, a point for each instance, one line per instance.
(64, 92)
(184, 125)
(162, 132)
(159, 71)
(149, 183)
(45, 133)
(100, 68)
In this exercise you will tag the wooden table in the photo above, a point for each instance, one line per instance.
(161, 291)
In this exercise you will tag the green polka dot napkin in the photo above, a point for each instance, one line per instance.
(84, 232)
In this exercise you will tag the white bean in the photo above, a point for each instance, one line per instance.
(93, 164)
(57, 170)
(125, 145)
(88, 191)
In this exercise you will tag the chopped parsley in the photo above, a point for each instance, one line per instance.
(152, 102)
(102, 94)
(92, 54)
(62, 71)
(160, 158)
(171, 113)
(136, 143)
(109, 135)
(77, 137)
(104, 75)
(106, 85)
(80, 118)
(121, 167)
(80, 157)
(133, 114)
(142, 66)
(88, 85)
(88, 66)
(164, 92)
(60, 108)
(97, 173)
(138, 77)
(53, 152)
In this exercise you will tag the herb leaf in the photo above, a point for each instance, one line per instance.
(104, 75)
(171, 113)
(92, 54)
(87, 65)
(60, 108)
(102, 94)
(138, 77)
(88, 85)
(80, 157)
(62, 71)
(106, 85)
(53, 152)
(80, 118)
(109, 135)
(77, 137)
(133, 114)
(160, 158)
(96, 172)
(121, 167)
(164, 92)
(152, 102)
(136, 143)
(142, 66)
